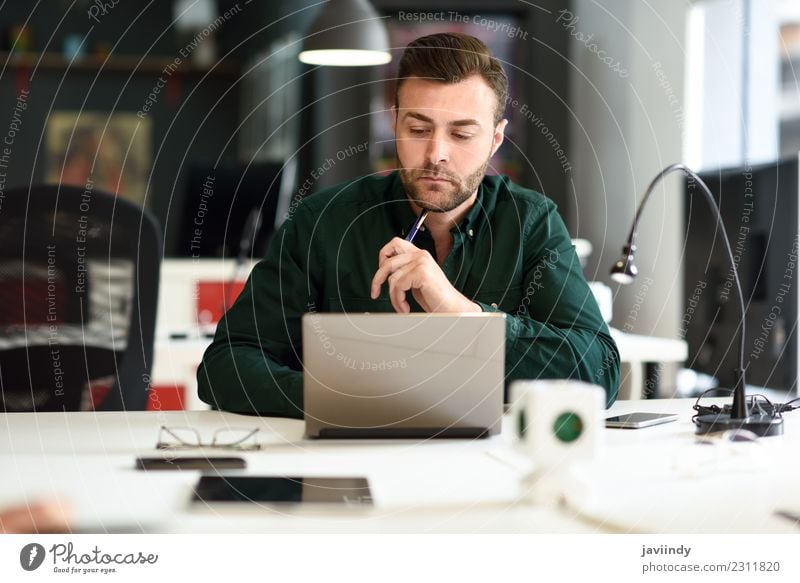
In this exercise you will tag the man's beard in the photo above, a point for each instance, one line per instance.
(440, 197)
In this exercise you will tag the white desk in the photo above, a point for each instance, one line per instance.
(650, 480)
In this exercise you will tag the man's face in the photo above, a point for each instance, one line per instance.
(445, 136)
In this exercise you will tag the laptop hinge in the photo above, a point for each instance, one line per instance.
(403, 433)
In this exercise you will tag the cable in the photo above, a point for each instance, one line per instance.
(758, 404)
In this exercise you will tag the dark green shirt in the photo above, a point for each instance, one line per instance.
(511, 253)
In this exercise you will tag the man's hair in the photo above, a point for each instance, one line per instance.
(451, 57)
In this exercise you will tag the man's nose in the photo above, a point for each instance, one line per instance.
(438, 150)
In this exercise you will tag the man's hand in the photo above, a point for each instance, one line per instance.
(404, 266)
(44, 516)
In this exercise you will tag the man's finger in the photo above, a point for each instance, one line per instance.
(377, 282)
(390, 265)
(399, 284)
(393, 248)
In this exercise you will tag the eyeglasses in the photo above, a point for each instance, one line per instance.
(731, 451)
(735, 435)
(225, 438)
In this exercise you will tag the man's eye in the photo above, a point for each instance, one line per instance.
(418, 131)
(460, 136)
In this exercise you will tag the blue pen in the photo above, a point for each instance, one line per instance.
(415, 228)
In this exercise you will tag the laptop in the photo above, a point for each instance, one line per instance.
(403, 375)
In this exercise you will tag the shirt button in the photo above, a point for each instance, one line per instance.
(471, 233)
(494, 305)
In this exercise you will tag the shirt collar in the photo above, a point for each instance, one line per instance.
(475, 213)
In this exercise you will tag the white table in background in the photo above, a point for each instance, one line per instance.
(636, 351)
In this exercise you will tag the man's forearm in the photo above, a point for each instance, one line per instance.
(243, 379)
(536, 350)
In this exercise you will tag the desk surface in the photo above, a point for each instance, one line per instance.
(657, 479)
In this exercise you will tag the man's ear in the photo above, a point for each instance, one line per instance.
(499, 135)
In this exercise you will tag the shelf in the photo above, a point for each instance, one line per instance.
(118, 63)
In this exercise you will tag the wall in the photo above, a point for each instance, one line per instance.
(626, 126)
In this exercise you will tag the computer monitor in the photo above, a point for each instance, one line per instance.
(218, 203)
(759, 208)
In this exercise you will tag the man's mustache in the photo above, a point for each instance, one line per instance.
(435, 173)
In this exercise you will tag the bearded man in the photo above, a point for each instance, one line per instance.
(486, 244)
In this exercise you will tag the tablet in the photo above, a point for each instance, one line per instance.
(282, 490)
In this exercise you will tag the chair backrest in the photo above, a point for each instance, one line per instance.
(79, 272)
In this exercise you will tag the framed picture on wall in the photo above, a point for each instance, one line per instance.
(109, 150)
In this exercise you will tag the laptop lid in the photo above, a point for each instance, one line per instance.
(403, 375)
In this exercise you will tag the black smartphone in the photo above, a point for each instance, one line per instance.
(274, 489)
(190, 463)
(639, 420)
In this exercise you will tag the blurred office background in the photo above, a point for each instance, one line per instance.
(158, 101)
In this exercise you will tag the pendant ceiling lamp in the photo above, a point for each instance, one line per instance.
(346, 33)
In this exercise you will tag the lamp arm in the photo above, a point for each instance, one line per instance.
(739, 409)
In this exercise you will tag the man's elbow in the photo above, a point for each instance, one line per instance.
(607, 373)
(205, 388)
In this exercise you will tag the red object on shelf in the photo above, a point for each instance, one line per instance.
(166, 398)
(175, 90)
(214, 298)
(23, 80)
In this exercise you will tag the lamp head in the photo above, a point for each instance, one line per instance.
(346, 33)
(624, 271)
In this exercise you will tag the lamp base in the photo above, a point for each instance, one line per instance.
(761, 425)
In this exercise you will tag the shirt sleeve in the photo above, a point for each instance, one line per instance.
(558, 331)
(254, 363)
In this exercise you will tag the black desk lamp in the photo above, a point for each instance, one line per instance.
(624, 271)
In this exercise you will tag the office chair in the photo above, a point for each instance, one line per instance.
(79, 273)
